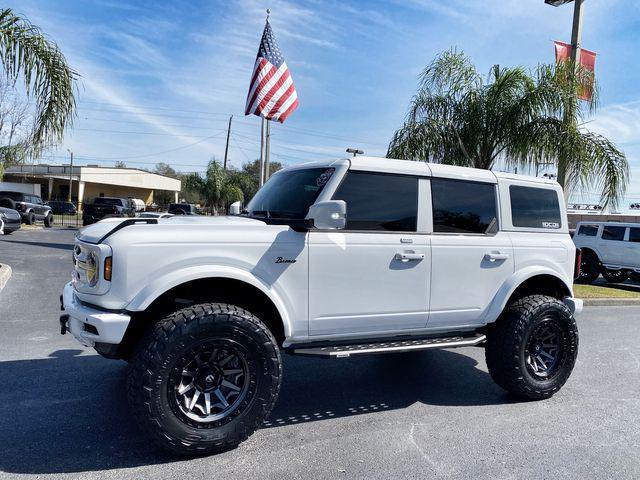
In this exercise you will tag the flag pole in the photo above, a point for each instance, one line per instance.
(267, 150)
(261, 176)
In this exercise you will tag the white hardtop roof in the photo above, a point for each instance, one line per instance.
(611, 223)
(410, 167)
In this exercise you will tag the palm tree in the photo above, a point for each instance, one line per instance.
(513, 118)
(27, 53)
(217, 188)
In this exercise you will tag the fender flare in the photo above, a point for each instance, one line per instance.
(147, 295)
(501, 298)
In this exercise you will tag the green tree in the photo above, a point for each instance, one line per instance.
(511, 117)
(248, 178)
(163, 197)
(217, 187)
(27, 54)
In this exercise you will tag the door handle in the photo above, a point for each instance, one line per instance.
(406, 256)
(495, 256)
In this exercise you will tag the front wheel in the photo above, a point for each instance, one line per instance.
(48, 221)
(615, 276)
(532, 348)
(31, 218)
(205, 379)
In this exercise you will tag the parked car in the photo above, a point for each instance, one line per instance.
(608, 248)
(183, 209)
(103, 207)
(62, 207)
(10, 220)
(30, 207)
(329, 259)
(138, 204)
(154, 215)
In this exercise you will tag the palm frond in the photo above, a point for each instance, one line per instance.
(26, 51)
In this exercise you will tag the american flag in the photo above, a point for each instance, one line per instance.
(272, 94)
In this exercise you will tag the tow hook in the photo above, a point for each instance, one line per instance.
(63, 324)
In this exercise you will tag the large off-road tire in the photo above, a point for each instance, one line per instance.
(219, 354)
(532, 348)
(48, 220)
(615, 276)
(30, 218)
(589, 267)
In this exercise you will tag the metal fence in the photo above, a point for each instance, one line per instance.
(67, 220)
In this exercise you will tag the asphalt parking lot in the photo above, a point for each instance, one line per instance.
(437, 414)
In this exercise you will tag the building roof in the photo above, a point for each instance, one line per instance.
(127, 177)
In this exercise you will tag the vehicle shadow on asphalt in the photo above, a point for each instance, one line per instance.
(61, 246)
(68, 413)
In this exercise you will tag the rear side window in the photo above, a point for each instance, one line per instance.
(634, 234)
(377, 201)
(533, 207)
(610, 232)
(588, 230)
(463, 207)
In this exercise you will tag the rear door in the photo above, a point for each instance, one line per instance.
(611, 244)
(471, 257)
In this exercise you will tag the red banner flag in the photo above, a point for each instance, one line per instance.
(587, 61)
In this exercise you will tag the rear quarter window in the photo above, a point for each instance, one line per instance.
(533, 207)
(588, 230)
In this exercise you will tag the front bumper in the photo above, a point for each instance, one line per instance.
(90, 325)
(574, 304)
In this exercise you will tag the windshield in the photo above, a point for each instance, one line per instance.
(289, 194)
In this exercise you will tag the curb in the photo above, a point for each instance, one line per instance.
(611, 302)
(5, 274)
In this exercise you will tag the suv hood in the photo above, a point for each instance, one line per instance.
(95, 232)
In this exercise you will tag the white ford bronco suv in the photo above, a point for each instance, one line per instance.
(330, 259)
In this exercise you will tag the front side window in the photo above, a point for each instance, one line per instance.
(533, 207)
(289, 194)
(378, 201)
(588, 230)
(463, 206)
(610, 232)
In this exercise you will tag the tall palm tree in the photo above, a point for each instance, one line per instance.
(511, 117)
(27, 53)
(217, 188)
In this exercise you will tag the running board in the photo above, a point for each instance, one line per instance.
(344, 351)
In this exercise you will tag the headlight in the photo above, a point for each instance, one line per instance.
(92, 269)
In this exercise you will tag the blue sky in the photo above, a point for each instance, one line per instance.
(160, 78)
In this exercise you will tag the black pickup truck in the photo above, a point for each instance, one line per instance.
(104, 207)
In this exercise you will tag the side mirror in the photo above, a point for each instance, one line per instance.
(235, 208)
(331, 214)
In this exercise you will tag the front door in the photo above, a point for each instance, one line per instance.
(374, 275)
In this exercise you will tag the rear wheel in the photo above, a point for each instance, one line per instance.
(589, 267)
(205, 379)
(615, 276)
(532, 348)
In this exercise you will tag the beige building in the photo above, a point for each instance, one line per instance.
(92, 181)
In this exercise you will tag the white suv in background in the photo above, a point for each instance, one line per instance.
(610, 248)
(330, 259)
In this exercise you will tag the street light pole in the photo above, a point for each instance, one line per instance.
(576, 31)
(70, 174)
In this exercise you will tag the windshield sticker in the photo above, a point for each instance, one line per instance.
(324, 178)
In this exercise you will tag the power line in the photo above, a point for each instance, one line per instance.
(140, 133)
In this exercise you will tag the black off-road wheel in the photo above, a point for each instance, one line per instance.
(205, 378)
(48, 221)
(31, 218)
(615, 276)
(532, 348)
(589, 267)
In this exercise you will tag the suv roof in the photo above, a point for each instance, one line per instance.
(410, 167)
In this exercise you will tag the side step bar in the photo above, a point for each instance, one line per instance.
(344, 351)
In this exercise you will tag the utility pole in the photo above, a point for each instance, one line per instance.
(267, 151)
(226, 148)
(576, 31)
(70, 174)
